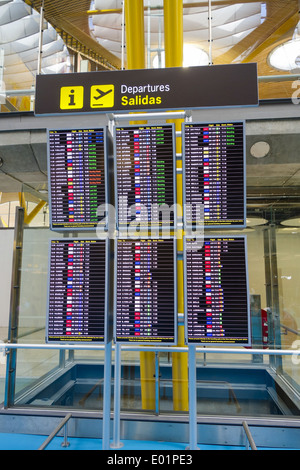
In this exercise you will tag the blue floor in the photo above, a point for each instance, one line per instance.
(33, 442)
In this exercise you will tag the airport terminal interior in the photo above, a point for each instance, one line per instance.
(199, 336)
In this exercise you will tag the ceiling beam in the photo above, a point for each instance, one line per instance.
(281, 18)
(204, 3)
(62, 15)
(276, 36)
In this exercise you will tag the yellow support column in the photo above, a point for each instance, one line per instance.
(173, 27)
(135, 48)
(173, 24)
(29, 217)
(135, 37)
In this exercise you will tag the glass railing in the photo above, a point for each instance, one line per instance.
(262, 381)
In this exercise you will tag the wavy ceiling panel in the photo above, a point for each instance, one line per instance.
(19, 41)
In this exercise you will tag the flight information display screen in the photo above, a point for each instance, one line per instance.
(77, 177)
(216, 291)
(145, 176)
(145, 297)
(77, 291)
(214, 174)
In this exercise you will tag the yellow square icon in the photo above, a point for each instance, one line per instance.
(102, 96)
(71, 97)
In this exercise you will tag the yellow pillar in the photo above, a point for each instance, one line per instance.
(135, 49)
(135, 37)
(173, 25)
(173, 32)
(29, 217)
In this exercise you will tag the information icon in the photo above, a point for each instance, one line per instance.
(71, 97)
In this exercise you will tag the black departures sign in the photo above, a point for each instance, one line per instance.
(154, 89)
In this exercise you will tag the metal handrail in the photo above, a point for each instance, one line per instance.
(249, 436)
(291, 330)
(192, 349)
(27, 333)
(183, 349)
(261, 78)
(62, 424)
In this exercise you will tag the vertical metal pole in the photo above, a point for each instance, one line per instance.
(210, 40)
(149, 35)
(117, 399)
(62, 359)
(275, 294)
(135, 47)
(123, 37)
(173, 28)
(157, 382)
(269, 291)
(267, 267)
(106, 397)
(14, 308)
(160, 47)
(65, 441)
(256, 326)
(39, 68)
(1, 66)
(2, 83)
(192, 399)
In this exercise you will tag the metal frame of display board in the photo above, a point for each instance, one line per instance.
(114, 118)
(191, 349)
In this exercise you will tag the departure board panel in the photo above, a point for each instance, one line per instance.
(216, 291)
(77, 178)
(145, 296)
(146, 176)
(77, 291)
(214, 174)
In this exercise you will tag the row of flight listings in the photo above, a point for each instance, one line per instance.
(132, 296)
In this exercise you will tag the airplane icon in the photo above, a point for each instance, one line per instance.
(101, 94)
